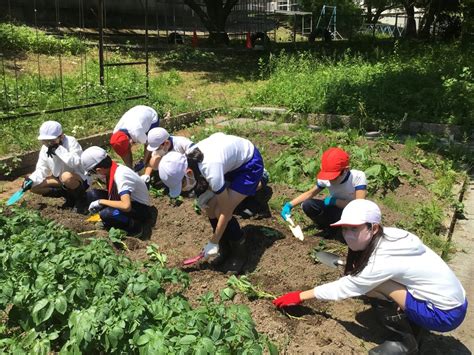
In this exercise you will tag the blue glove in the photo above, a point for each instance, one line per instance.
(330, 201)
(286, 210)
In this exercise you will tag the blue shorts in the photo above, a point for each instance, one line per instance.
(427, 316)
(245, 178)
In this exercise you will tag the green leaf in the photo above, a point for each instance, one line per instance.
(60, 304)
(142, 340)
(187, 340)
(37, 308)
(227, 294)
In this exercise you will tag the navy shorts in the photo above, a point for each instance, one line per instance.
(245, 178)
(427, 316)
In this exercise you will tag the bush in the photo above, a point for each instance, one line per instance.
(429, 83)
(23, 38)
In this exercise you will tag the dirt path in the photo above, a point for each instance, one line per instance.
(463, 266)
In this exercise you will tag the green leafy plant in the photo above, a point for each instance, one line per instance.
(62, 296)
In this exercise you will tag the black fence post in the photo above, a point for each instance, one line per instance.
(101, 41)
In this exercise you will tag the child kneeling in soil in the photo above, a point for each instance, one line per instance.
(133, 127)
(412, 288)
(58, 171)
(126, 203)
(344, 185)
(227, 169)
(160, 142)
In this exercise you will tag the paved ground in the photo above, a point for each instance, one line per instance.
(463, 265)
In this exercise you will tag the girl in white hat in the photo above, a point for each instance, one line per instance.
(160, 142)
(231, 168)
(416, 288)
(58, 170)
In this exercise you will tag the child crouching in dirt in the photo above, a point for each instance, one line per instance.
(412, 288)
(227, 169)
(160, 142)
(58, 171)
(126, 203)
(344, 185)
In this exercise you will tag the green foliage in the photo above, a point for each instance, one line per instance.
(23, 38)
(70, 298)
(244, 286)
(433, 83)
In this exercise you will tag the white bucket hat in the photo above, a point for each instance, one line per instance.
(50, 130)
(156, 137)
(358, 212)
(172, 169)
(91, 157)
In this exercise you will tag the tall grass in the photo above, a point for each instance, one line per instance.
(23, 38)
(431, 84)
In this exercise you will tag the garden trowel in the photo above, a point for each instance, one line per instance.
(194, 260)
(17, 195)
(296, 230)
(329, 259)
(94, 218)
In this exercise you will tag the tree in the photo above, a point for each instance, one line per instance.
(214, 18)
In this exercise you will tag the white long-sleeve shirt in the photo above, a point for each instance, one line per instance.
(400, 256)
(67, 158)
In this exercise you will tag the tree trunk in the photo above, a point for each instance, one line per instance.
(411, 23)
(429, 18)
(214, 18)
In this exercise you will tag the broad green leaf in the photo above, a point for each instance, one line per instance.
(142, 340)
(60, 304)
(187, 340)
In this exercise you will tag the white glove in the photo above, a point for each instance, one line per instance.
(95, 206)
(210, 249)
(204, 198)
(145, 178)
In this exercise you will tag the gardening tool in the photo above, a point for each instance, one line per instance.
(194, 260)
(296, 230)
(17, 195)
(329, 259)
(94, 218)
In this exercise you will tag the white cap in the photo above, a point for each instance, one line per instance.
(156, 137)
(50, 130)
(91, 157)
(172, 168)
(358, 212)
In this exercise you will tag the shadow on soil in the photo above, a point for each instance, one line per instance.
(369, 330)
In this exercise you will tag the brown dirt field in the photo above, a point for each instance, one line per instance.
(278, 263)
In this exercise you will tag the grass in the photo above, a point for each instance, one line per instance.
(430, 83)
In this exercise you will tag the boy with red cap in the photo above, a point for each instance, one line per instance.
(133, 127)
(344, 185)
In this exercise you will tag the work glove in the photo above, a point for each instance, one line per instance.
(27, 184)
(210, 249)
(146, 179)
(52, 150)
(95, 206)
(330, 201)
(288, 299)
(286, 210)
(139, 166)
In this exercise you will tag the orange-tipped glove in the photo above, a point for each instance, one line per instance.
(288, 299)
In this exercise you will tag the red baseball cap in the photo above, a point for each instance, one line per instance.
(333, 161)
(120, 143)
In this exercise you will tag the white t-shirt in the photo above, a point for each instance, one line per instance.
(346, 189)
(128, 182)
(179, 144)
(222, 154)
(400, 256)
(67, 158)
(137, 122)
